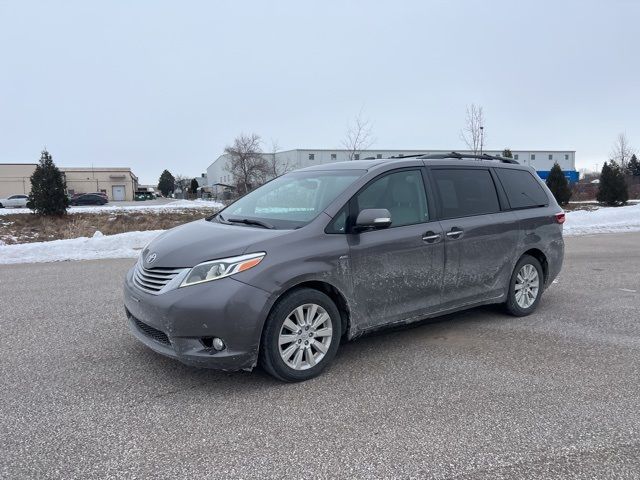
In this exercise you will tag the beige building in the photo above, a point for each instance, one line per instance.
(117, 183)
(15, 178)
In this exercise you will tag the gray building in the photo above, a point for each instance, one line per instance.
(542, 160)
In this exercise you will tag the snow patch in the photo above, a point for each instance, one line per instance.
(122, 245)
(603, 220)
(115, 208)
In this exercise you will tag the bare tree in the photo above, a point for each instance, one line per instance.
(473, 132)
(247, 164)
(358, 136)
(182, 184)
(275, 167)
(622, 151)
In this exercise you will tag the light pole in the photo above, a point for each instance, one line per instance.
(481, 138)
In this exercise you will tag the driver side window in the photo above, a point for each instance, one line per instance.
(402, 193)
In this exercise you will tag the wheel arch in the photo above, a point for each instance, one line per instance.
(338, 298)
(542, 258)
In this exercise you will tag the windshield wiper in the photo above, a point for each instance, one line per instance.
(249, 221)
(217, 216)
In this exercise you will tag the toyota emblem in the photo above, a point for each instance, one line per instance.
(152, 257)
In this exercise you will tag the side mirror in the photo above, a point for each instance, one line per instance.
(373, 218)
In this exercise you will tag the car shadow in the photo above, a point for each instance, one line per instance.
(173, 377)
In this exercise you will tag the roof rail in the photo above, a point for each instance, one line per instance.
(461, 156)
(409, 156)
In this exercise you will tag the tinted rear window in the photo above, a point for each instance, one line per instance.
(522, 189)
(465, 192)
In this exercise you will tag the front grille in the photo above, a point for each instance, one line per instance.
(151, 332)
(152, 280)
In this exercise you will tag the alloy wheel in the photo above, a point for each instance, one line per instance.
(305, 336)
(527, 286)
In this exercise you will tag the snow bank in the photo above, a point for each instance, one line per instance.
(128, 245)
(122, 245)
(603, 220)
(115, 208)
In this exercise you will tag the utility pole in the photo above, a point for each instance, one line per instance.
(481, 138)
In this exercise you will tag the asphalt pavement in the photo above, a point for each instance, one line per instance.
(477, 394)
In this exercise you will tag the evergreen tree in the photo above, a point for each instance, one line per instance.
(613, 187)
(559, 185)
(194, 186)
(506, 153)
(634, 166)
(166, 183)
(48, 188)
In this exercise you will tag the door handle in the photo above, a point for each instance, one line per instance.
(431, 237)
(455, 233)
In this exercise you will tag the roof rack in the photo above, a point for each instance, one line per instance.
(409, 156)
(461, 156)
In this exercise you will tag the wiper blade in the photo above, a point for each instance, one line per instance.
(217, 216)
(249, 221)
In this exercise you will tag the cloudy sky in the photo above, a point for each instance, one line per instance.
(155, 85)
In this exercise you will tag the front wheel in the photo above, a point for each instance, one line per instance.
(525, 287)
(301, 336)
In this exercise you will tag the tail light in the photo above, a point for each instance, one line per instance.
(560, 218)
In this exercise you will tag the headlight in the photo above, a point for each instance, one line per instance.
(225, 267)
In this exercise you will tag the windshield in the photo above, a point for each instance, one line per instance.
(290, 201)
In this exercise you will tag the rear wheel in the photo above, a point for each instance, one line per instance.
(525, 288)
(301, 336)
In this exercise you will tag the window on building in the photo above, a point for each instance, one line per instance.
(333, 156)
(550, 156)
(515, 156)
(533, 156)
(566, 156)
(466, 192)
(402, 193)
(356, 156)
(312, 156)
(522, 189)
(379, 155)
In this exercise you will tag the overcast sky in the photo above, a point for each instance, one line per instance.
(154, 85)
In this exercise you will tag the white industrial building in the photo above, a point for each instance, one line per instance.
(542, 160)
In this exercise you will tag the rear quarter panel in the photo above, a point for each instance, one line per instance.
(540, 230)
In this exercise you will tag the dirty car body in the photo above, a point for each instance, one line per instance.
(456, 230)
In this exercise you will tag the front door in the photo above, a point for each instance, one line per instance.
(397, 272)
(479, 239)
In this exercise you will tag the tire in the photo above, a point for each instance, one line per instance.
(523, 274)
(312, 360)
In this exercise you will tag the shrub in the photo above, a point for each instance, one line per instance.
(559, 185)
(48, 188)
(613, 187)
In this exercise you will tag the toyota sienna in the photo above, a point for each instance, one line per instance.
(334, 251)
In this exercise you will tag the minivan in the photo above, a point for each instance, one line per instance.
(331, 252)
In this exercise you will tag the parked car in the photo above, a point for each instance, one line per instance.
(89, 199)
(102, 194)
(338, 250)
(15, 201)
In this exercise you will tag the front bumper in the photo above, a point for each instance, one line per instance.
(178, 322)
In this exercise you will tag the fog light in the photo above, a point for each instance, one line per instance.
(218, 344)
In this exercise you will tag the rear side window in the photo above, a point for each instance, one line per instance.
(522, 189)
(465, 192)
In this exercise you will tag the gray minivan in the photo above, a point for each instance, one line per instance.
(280, 276)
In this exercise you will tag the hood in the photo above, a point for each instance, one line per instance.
(200, 241)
